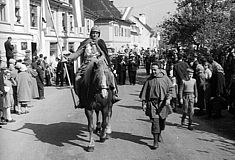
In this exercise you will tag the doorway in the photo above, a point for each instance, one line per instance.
(34, 49)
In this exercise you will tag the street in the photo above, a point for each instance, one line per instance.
(54, 130)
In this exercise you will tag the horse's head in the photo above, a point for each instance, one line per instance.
(99, 77)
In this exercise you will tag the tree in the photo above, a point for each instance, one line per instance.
(204, 23)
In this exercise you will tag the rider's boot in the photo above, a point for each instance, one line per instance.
(79, 106)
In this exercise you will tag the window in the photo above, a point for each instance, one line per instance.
(64, 21)
(71, 23)
(17, 11)
(116, 30)
(2, 10)
(127, 33)
(88, 26)
(121, 32)
(80, 29)
(53, 13)
(53, 49)
(71, 46)
(33, 16)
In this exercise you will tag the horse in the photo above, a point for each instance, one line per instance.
(97, 96)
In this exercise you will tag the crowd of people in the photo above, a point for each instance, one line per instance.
(187, 79)
(22, 80)
(178, 79)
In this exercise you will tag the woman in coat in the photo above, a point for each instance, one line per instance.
(24, 83)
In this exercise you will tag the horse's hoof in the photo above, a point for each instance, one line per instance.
(102, 140)
(90, 148)
(97, 131)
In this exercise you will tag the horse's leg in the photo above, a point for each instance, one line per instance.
(89, 115)
(108, 127)
(105, 121)
(98, 122)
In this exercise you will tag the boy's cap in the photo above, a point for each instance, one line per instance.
(189, 70)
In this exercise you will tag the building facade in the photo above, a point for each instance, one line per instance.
(21, 20)
(146, 36)
(115, 31)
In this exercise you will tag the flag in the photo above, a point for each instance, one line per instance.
(126, 13)
(78, 13)
(46, 15)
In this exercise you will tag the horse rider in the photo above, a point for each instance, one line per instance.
(90, 50)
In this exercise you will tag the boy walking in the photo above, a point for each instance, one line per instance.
(188, 96)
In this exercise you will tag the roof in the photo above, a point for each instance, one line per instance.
(105, 10)
(145, 25)
(89, 13)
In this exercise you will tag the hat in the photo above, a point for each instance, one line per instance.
(7, 71)
(12, 61)
(195, 55)
(27, 51)
(18, 65)
(199, 68)
(189, 70)
(23, 68)
(27, 62)
(95, 29)
(132, 55)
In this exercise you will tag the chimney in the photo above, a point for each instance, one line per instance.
(111, 1)
(142, 18)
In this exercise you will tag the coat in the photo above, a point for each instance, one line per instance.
(155, 92)
(9, 49)
(8, 100)
(34, 86)
(24, 83)
(1, 88)
(180, 71)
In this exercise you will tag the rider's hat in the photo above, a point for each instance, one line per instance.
(95, 29)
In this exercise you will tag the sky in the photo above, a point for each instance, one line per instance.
(155, 10)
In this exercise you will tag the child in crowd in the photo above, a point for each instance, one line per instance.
(188, 96)
(8, 100)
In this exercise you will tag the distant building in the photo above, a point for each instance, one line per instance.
(147, 37)
(115, 31)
